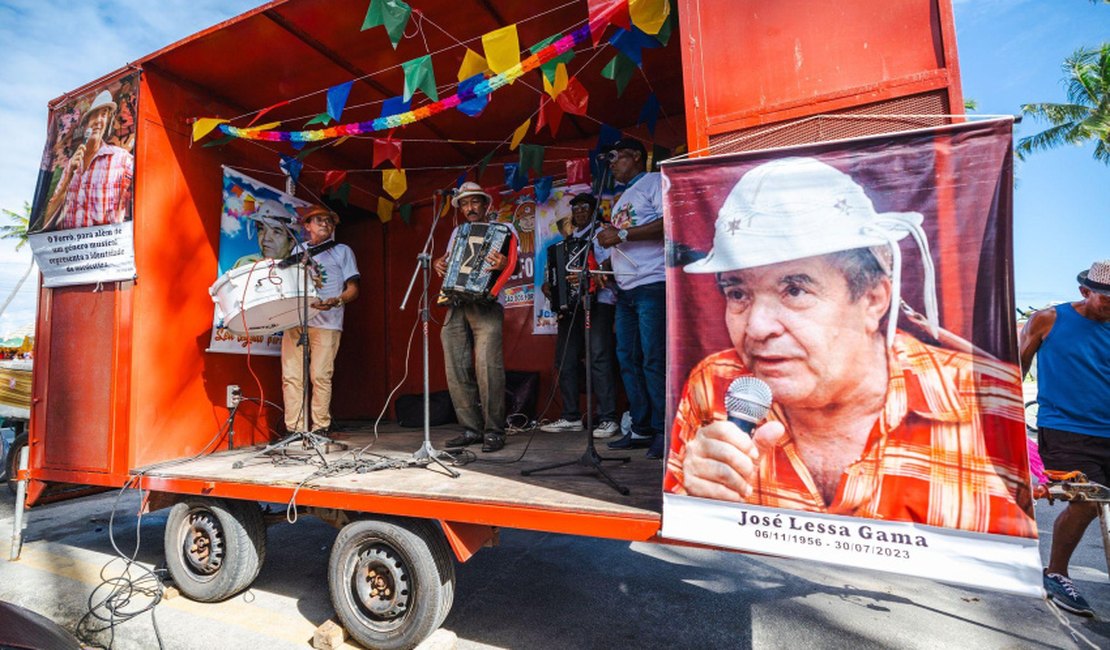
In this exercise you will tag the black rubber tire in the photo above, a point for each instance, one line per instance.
(11, 463)
(231, 549)
(416, 568)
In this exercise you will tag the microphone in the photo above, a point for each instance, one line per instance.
(747, 401)
(88, 133)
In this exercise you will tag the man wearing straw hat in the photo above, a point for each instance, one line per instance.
(866, 420)
(1071, 342)
(95, 187)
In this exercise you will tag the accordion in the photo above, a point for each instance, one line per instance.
(469, 277)
(575, 253)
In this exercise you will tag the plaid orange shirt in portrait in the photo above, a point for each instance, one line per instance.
(942, 451)
(99, 194)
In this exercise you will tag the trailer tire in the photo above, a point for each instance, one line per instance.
(11, 463)
(214, 547)
(392, 581)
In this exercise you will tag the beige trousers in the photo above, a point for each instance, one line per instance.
(323, 344)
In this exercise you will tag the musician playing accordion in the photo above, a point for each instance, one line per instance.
(471, 333)
(579, 250)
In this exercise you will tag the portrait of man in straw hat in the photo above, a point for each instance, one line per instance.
(95, 183)
(865, 419)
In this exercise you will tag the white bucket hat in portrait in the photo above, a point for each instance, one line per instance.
(469, 188)
(794, 208)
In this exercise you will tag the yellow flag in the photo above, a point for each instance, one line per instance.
(554, 89)
(445, 209)
(519, 134)
(502, 48)
(394, 182)
(264, 127)
(649, 15)
(204, 125)
(385, 209)
(472, 64)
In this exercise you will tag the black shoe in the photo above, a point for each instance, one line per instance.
(628, 442)
(468, 437)
(656, 451)
(493, 441)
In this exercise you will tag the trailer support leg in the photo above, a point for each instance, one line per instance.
(20, 503)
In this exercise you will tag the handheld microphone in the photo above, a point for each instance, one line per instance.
(747, 401)
(88, 133)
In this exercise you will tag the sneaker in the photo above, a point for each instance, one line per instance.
(631, 441)
(1062, 591)
(606, 429)
(560, 425)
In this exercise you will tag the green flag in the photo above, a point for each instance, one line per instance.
(482, 166)
(406, 213)
(393, 14)
(531, 158)
(620, 70)
(420, 76)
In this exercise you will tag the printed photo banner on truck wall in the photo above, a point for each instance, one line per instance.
(258, 222)
(552, 218)
(868, 285)
(80, 226)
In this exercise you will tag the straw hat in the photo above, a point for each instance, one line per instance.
(304, 214)
(469, 188)
(1096, 278)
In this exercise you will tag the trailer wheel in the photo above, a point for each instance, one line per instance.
(214, 547)
(392, 581)
(11, 463)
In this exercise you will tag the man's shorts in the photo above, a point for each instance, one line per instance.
(1066, 452)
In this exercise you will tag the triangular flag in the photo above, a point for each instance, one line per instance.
(649, 15)
(558, 84)
(393, 14)
(574, 98)
(543, 188)
(620, 70)
(632, 42)
(259, 114)
(337, 99)
(472, 64)
(322, 118)
(606, 12)
(304, 153)
(519, 134)
(388, 149)
(291, 167)
(219, 143)
(445, 209)
(406, 213)
(475, 106)
(459, 180)
(515, 177)
(395, 105)
(502, 48)
(333, 178)
(549, 68)
(343, 193)
(550, 114)
(419, 75)
(531, 158)
(204, 125)
(482, 166)
(394, 182)
(385, 209)
(578, 171)
(649, 113)
(664, 35)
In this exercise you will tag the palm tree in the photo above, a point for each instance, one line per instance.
(1086, 116)
(17, 230)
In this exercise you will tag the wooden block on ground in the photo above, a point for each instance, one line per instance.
(170, 592)
(328, 636)
(441, 639)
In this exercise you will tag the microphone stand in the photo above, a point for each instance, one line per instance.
(589, 459)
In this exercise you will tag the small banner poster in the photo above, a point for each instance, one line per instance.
(258, 223)
(843, 380)
(80, 226)
(552, 224)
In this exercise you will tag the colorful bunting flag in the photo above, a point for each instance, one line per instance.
(502, 47)
(337, 99)
(620, 70)
(419, 75)
(606, 12)
(333, 178)
(531, 158)
(632, 42)
(551, 114)
(291, 167)
(204, 125)
(519, 134)
(395, 105)
(343, 193)
(406, 213)
(543, 188)
(393, 14)
(548, 69)
(259, 114)
(574, 98)
(472, 107)
(649, 114)
(385, 209)
(558, 84)
(322, 118)
(649, 15)
(219, 143)
(578, 171)
(664, 35)
(482, 167)
(388, 149)
(394, 182)
(472, 64)
(515, 177)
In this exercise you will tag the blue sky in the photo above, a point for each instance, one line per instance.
(1010, 53)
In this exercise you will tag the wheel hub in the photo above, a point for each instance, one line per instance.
(203, 543)
(381, 583)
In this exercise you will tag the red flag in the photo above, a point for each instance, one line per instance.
(266, 110)
(333, 178)
(578, 171)
(388, 149)
(573, 100)
(606, 12)
(550, 114)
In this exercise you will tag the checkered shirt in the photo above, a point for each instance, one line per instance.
(98, 194)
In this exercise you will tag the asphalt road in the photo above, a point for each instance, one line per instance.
(542, 591)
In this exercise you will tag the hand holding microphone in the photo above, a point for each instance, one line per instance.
(722, 460)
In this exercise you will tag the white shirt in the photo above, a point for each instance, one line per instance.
(637, 263)
(337, 266)
(606, 294)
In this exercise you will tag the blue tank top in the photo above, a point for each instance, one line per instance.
(1073, 375)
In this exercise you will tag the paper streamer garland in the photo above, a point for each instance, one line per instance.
(481, 89)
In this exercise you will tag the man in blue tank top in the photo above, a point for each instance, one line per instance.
(1072, 345)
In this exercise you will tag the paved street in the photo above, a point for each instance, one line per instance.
(550, 591)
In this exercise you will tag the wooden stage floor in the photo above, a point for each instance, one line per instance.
(487, 479)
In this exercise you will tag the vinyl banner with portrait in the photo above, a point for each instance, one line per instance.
(258, 224)
(552, 220)
(81, 222)
(843, 380)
